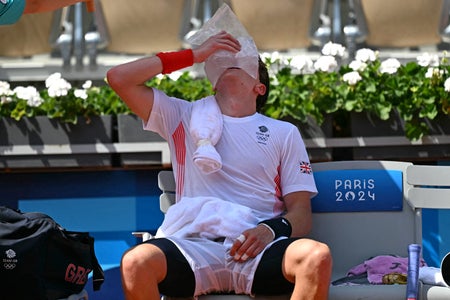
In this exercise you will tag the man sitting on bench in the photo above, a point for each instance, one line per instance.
(238, 228)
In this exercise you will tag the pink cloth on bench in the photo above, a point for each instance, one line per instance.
(379, 266)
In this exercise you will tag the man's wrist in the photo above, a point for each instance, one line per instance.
(279, 227)
(173, 61)
(269, 228)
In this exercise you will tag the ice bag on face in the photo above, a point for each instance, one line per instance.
(247, 59)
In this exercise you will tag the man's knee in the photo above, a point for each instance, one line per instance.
(129, 259)
(142, 258)
(310, 254)
(322, 256)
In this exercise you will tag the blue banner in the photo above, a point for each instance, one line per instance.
(358, 190)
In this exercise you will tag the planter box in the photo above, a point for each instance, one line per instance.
(130, 131)
(312, 130)
(42, 131)
(365, 125)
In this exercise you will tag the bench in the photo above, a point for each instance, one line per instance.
(364, 209)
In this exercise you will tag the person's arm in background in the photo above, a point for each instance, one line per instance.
(12, 10)
(38, 6)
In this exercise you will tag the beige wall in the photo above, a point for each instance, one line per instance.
(402, 23)
(143, 26)
(149, 26)
(29, 36)
(276, 25)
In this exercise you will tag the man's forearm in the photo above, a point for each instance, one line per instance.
(38, 6)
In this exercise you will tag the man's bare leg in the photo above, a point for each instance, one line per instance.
(142, 268)
(308, 264)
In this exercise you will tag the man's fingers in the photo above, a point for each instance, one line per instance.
(241, 238)
(227, 41)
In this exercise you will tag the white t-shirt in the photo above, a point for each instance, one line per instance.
(263, 158)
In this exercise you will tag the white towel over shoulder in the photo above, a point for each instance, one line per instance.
(207, 217)
(206, 128)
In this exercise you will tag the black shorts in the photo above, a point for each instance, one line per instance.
(269, 278)
(180, 279)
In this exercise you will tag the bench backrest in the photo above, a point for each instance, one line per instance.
(371, 214)
(346, 189)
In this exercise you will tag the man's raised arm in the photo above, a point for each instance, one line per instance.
(128, 80)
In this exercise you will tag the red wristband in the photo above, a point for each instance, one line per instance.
(173, 61)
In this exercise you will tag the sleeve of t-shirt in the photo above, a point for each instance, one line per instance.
(296, 171)
(167, 113)
(11, 11)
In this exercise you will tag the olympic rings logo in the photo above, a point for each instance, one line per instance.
(9, 266)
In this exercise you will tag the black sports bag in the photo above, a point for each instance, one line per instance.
(41, 260)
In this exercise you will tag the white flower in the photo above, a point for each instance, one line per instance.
(82, 93)
(274, 81)
(351, 77)
(265, 55)
(326, 64)
(428, 60)
(52, 79)
(57, 86)
(175, 75)
(434, 72)
(333, 49)
(87, 84)
(365, 55)
(5, 99)
(30, 94)
(273, 57)
(35, 101)
(303, 63)
(5, 92)
(357, 65)
(447, 85)
(390, 66)
(25, 93)
(4, 88)
(79, 93)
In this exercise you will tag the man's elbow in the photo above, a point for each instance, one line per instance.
(114, 79)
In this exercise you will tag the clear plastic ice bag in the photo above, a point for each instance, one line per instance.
(247, 59)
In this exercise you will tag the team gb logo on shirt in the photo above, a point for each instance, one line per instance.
(262, 135)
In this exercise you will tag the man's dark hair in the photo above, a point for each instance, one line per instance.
(264, 79)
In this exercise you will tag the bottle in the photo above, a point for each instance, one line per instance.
(412, 286)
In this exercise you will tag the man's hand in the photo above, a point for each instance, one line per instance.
(220, 41)
(256, 239)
